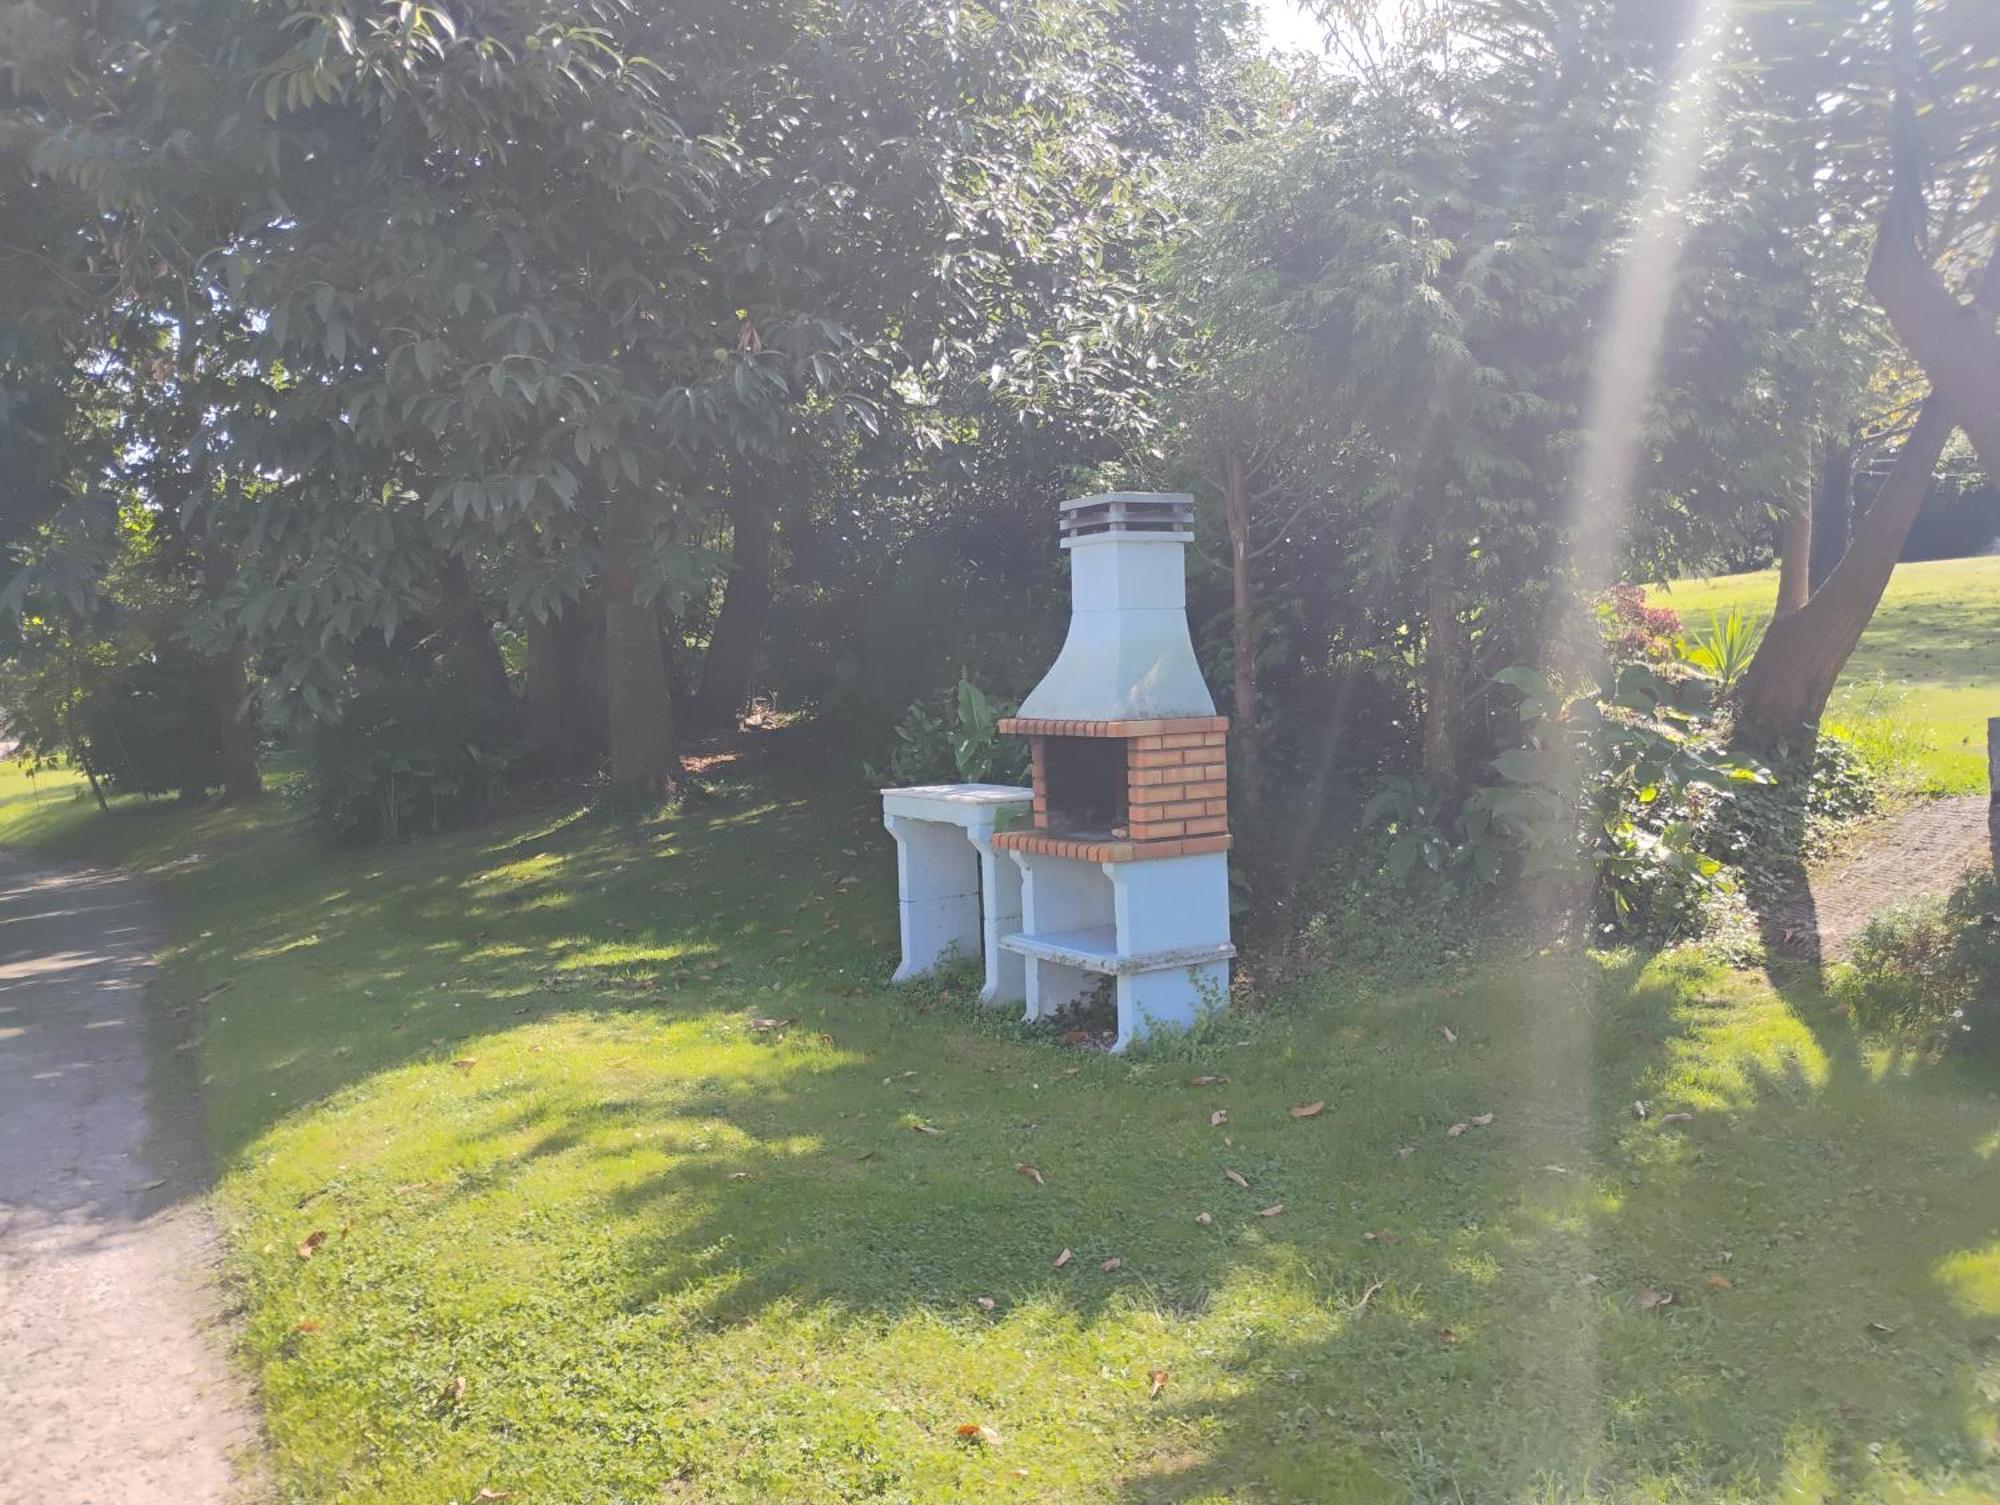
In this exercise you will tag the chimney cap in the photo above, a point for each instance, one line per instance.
(1155, 516)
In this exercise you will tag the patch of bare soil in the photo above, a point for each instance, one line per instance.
(1923, 849)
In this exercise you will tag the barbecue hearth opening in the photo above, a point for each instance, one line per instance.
(1085, 782)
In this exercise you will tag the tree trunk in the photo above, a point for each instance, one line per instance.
(229, 691)
(542, 694)
(730, 663)
(236, 722)
(641, 709)
(1785, 690)
(474, 656)
(1441, 649)
(1954, 342)
(562, 697)
(1833, 512)
(1242, 631)
(1795, 530)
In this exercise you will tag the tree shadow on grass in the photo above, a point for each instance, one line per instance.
(342, 965)
(1817, 1222)
(1482, 1366)
(1825, 1226)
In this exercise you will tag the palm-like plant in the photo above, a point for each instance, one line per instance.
(1725, 648)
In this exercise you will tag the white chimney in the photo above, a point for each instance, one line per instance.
(1128, 656)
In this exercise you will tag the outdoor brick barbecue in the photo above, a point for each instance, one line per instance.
(1115, 864)
(1124, 866)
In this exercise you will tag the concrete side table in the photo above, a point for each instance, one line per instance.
(957, 894)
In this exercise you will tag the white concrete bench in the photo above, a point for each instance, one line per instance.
(958, 896)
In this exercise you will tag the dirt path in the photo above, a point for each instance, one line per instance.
(1924, 849)
(115, 1383)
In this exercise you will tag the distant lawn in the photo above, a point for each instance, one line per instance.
(613, 1138)
(1927, 674)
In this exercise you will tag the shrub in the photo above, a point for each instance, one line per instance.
(1931, 969)
(953, 734)
(1656, 781)
(408, 754)
(1635, 633)
(1766, 831)
(1724, 648)
(152, 728)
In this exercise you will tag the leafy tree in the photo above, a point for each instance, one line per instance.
(1909, 90)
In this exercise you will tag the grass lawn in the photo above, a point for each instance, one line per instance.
(1927, 674)
(593, 1231)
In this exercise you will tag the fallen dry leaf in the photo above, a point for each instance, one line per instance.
(1455, 1130)
(1156, 1381)
(1272, 1211)
(455, 1391)
(305, 1325)
(1069, 1071)
(1639, 1110)
(1366, 1297)
(1721, 1283)
(1309, 1110)
(1206, 1081)
(1237, 1177)
(1219, 1117)
(492, 1494)
(1651, 1300)
(987, 1303)
(1481, 1120)
(1113, 1263)
(924, 1128)
(1881, 1329)
(1064, 1258)
(1404, 1152)
(1450, 1034)
(1204, 1218)
(1447, 1337)
(1030, 1172)
(1676, 1118)
(762, 1025)
(979, 1434)
(739, 1175)
(1378, 1236)
(466, 1063)
(309, 1245)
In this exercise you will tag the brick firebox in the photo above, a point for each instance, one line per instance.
(1124, 791)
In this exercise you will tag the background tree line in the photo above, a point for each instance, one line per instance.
(487, 387)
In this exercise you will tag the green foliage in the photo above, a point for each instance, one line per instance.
(1930, 970)
(1621, 785)
(1766, 830)
(152, 728)
(407, 755)
(1724, 648)
(953, 735)
(1423, 836)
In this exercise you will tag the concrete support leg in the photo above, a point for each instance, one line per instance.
(1000, 884)
(938, 877)
(1171, 999)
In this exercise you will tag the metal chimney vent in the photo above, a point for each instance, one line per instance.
(1159, 514)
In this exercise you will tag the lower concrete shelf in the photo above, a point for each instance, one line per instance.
(1096, 950)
